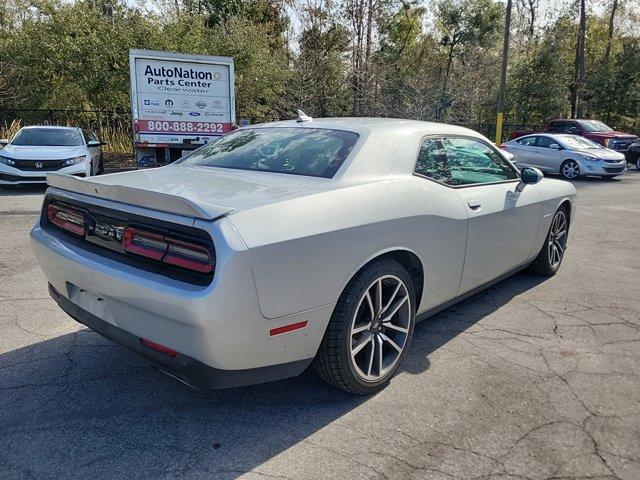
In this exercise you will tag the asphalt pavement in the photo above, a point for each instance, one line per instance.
(532, 379)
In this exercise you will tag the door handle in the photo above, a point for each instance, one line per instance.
(474, 204)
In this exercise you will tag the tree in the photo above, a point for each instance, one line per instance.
(464, 25)
(320, 80)
(612, 16)
(530, 7)
(538, 78)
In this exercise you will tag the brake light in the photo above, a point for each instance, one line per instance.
(66, 218)
(167, 250)
(188, 255)
(147, 244)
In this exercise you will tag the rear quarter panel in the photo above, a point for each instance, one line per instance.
(305, 250)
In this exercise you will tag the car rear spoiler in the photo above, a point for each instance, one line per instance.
(162, 202)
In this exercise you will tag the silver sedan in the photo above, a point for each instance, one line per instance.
(569, 155)
(291, 243)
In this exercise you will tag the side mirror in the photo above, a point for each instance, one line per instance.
(4, 141)
(555, 146)
(530, 175)
(93, 143)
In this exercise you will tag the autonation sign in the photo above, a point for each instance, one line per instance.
(178, 97)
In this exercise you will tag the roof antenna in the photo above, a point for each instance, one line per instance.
(303, 117)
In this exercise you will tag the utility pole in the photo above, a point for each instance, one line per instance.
(503, 76)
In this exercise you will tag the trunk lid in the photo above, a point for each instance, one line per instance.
(201, 192)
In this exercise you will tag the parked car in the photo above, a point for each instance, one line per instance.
(296, 242)
(591, 129)
(35, 151)
(633, 154)
(594, 130)
(569, 155)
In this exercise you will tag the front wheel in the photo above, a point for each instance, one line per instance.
(638, 163)
(570, 169)
(370, 330)
(550, 257)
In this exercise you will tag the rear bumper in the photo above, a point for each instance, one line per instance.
(186, 369)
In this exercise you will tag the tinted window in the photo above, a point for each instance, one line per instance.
(472, 162)
(48, 137)
(527, 141)
(432, 161)
(562, 127)
(298, 151)
(546, 142)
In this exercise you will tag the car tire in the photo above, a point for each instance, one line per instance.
(101, 165)
(570, 170)
(638, 163)
(547, 262)
(361, 351)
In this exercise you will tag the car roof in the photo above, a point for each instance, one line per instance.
(56, 127)
(373, 124)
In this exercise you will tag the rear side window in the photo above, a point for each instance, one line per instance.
(314, 152)
(546, 142)
(432, 161)
(561, 127)
(527, 141)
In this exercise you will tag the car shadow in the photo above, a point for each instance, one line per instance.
(78, 406)
(19, 190)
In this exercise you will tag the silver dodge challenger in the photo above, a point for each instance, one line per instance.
(294, 243)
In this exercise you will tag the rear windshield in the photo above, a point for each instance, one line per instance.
(48, 137)
(314, 152)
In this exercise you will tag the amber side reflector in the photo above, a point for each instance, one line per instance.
(287, 328)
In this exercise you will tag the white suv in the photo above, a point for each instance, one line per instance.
(34, 151)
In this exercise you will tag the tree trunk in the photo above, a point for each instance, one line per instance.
(358, 24)
(607, 52)
(445, 83)
(578, 73)
(367, 54)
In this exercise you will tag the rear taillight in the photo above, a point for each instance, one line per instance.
(66, 218)
(168, 250)
(147, 244)
(188, 255)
